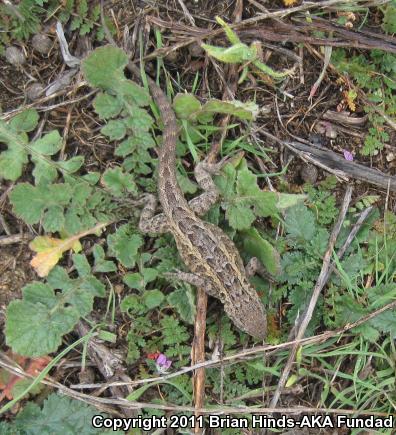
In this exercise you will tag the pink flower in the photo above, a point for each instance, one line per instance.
(348, 155)
(163, 362)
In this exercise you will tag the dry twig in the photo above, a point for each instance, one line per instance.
(246, 354)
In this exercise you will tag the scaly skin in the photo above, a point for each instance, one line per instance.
(210, 255)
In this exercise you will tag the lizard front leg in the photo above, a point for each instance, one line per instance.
(157, 224)
(203, 174)
(193, 279)
(149, 222)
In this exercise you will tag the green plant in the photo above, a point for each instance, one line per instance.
(36, 324)
(289, 238)
(12, 161)
(323, 200)
(239, 52)
(56, 415)
(20, 21)
(24, 19)
(375, 75)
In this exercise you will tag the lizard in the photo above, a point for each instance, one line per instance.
(210, 255)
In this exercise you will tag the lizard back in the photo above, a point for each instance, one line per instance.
(205, 249)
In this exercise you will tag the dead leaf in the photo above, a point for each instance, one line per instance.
(30, 366)
(50, 249)
(350, 97)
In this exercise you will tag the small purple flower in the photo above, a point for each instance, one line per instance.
(163, 362)
(348, 155)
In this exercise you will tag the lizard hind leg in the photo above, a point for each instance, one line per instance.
(254, 266)
(148, 223)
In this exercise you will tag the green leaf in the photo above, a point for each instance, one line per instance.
(243, 199)
(133, 93)
(25, 121)
(14, 158)
(72, 165)
(107, 336)
(231, 35)
(149, 274)
(104, 67)
(27, 204)
(140, 120)
(247, 111)
(32, 202)
(226, 181)
(153, 298)
(11, 163)
(119, 182)
(102, 265)
(44, 172)
(36, 324)
(31, 328)
(258, 247)
(266, 204)
(85, 29)
(48, 145)
(183, 300)
(389, 20)
(237, 53)
(124, 244)
(186, 106)
(186, 185)
(240, 216)
(114, 130)
(107, 106)
(75, 23)
(58, 414)
(81, 264)
(385, 323)
(135, 144)
(132, 305)
(54, 218)
(139, 391)
(134, 280)
(300, 223)
(287, 200)
(139, 280)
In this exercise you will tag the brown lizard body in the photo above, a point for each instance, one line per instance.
(205, 249)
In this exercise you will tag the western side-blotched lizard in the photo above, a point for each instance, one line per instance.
(209, 254)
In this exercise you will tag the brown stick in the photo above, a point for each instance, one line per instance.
(198, 353)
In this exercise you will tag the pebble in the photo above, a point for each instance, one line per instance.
(15, 56)
(41, 43)
(195, 50)
(34, 91)
(309, 173)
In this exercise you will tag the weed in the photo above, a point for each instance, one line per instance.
(375, 75)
